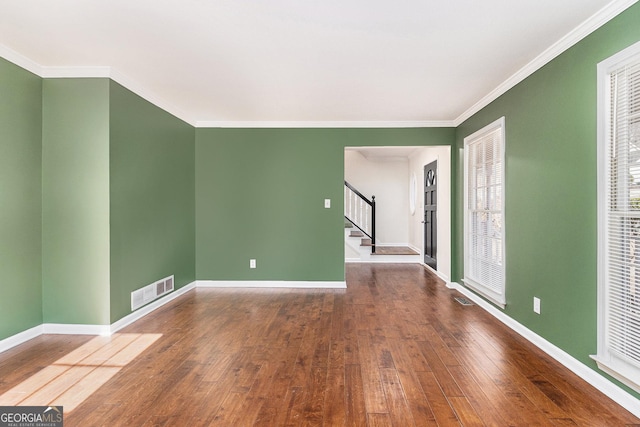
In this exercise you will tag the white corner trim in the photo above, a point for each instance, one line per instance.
(143, 311)
(620, 396)
(323, 124)
(270, 284)
(20, 338)
(597, 20)
(75, 72)
(72, 329)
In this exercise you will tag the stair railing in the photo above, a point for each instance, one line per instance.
(361, 212)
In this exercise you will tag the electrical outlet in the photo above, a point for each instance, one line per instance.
(536, 305)
(252, 263)
(327, 203)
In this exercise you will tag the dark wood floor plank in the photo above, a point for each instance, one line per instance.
(379, 420)
(375, 401)
(489, 410)
(334, 407)
(351, 351)
(356, 413)
(313, 409)
(414, 394)
(443, 411)
(465, 412)
(490, 379)
(337, 345)
(510, 374)
(292, 416)
(399, 411)
(393, 349)
(440, 371)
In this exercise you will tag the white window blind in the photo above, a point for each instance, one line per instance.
(619, 204)
(484, 211)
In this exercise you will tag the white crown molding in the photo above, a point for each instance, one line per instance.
(81, 72)
(20, 60)
(148, 95)
(587, 27)
(603, 16)
(75, 72)
(323, 124)
(620, 396)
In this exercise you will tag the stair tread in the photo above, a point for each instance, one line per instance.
(356, 234)
(366, 242)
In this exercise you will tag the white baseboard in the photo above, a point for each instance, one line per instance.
(20, 338)
(270, 284)
(442, 276)
(143, 311)
(620, 396)
(104, 330)
(73, 329)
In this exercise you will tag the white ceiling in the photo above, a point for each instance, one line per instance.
(385, 153)
(413, 62)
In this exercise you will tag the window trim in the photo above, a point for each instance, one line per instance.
(497, 298)
(606, 359)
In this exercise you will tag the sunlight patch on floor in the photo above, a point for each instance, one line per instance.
(74, 377)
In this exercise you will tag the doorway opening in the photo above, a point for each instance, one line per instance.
(396, 177)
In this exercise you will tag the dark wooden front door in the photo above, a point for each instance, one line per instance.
(430, 209)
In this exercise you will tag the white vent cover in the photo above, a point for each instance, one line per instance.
(155, 290)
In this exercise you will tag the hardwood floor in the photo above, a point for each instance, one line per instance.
(394, 349)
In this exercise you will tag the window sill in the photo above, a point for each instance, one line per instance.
(476, 287)
(620, 370)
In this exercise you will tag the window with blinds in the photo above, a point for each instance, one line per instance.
(619, 217)
(484, 211)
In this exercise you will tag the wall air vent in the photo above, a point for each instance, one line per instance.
(148, 293)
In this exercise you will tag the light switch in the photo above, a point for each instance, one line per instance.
(327, 203)
(536, 305)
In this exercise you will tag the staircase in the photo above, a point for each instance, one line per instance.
(358, 248)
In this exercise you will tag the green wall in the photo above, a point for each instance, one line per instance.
(118, 199)
(260, 194)
(130, 194)
(152, 188)
(551, 190)
(75, 201)
(20, 199)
